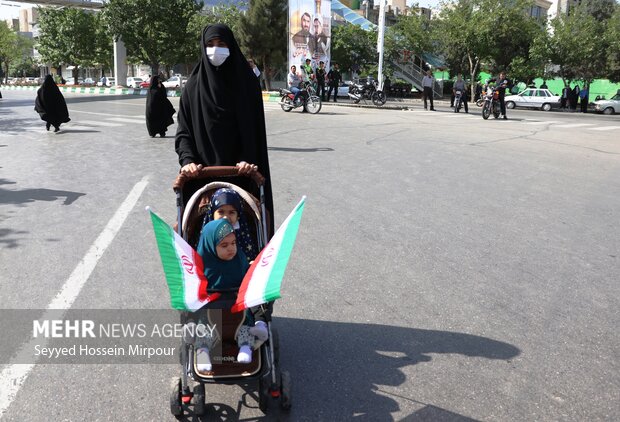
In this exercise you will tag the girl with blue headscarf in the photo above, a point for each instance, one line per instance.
(226, 203)
(224, 266)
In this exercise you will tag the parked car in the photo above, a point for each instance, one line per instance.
(534, 98)
(174, 82)
(134, 82)
(71, 81)
(611, 106)
(111, 81)
(89, 81)
(145, 84)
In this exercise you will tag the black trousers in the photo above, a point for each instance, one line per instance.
(502, 103)
(320, 90)
(428, 93)
(329, 92)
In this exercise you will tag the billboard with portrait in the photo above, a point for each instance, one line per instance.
(309, 27)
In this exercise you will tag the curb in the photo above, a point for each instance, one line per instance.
(268, 96)
(91, 90)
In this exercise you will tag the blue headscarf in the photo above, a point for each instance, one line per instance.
(245, 241)
(220, 274)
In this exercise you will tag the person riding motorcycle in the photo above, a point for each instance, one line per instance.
(293, 80)
(460, 85)
(502, 83)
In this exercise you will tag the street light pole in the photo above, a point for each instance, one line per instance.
(381, 33)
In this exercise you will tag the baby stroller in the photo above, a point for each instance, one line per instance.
(193, 195)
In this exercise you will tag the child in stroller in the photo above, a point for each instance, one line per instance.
(224, 267)
(194, 201)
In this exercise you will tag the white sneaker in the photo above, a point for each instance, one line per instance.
(203, 360)
(245, 355)
(260, 331)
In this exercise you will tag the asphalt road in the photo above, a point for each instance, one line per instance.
(447, 268)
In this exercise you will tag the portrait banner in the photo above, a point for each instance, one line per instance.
(309, 27)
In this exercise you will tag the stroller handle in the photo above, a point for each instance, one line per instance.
(214, 172)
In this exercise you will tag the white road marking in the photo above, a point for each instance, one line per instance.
(542, 123)
(14, 375)
(605, 128)
(573, 125)
(99, 123)
(125, 120)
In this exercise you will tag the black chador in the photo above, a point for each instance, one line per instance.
(51, 105)
(221, 120)
(159, 109)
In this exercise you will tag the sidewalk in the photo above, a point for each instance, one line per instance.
(391, 104)
(268, 96)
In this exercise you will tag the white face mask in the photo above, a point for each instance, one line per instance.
(217, 55)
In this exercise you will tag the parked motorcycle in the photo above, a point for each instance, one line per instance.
(458, 94)
(307, 99)
(367, 91)
(491, 103)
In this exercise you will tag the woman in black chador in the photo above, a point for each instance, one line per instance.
(51, 105)
(159, 109)
(221, 121)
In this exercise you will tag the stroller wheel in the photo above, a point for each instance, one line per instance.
(285, 390)
(199, 400)
(263, 394)
(176, 406)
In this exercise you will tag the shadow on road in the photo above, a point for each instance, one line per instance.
(336, 369)
(285, 149)
(31, 195)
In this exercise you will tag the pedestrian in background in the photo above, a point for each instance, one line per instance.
(51, 105)
(320, 80)
(427, 85)
(254, 68)
(159, 109)
(334, 78)
(583, 99)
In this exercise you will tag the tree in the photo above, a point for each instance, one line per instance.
(612, 38)
(462, 38)
(104, 47)
(153, 31)
(572, 47)
(352, 45)
(15, 50)
(228, 14)
(411, 32)
(67, 36)
(262, 33)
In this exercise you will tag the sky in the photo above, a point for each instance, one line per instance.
(10, 9)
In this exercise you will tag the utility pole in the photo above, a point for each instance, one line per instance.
(380, 35)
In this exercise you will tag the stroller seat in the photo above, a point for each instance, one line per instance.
(224, 353)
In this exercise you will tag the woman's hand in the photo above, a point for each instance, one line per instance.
(246, 168)
(191, 169)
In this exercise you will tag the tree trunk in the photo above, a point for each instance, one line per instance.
(75, 72)
(267, 73)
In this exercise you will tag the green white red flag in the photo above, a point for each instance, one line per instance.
(183, 268)
(263, 280)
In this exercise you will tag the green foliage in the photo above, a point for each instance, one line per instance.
(353, 45)
(612, 38)
(15, 52)
(262, 34)
(411, 32)
(153, 31)
(229, 14)
(67, 36)
(461, 37)
(575, 48)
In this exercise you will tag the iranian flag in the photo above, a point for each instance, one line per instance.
(183, 268)
(262, 282)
